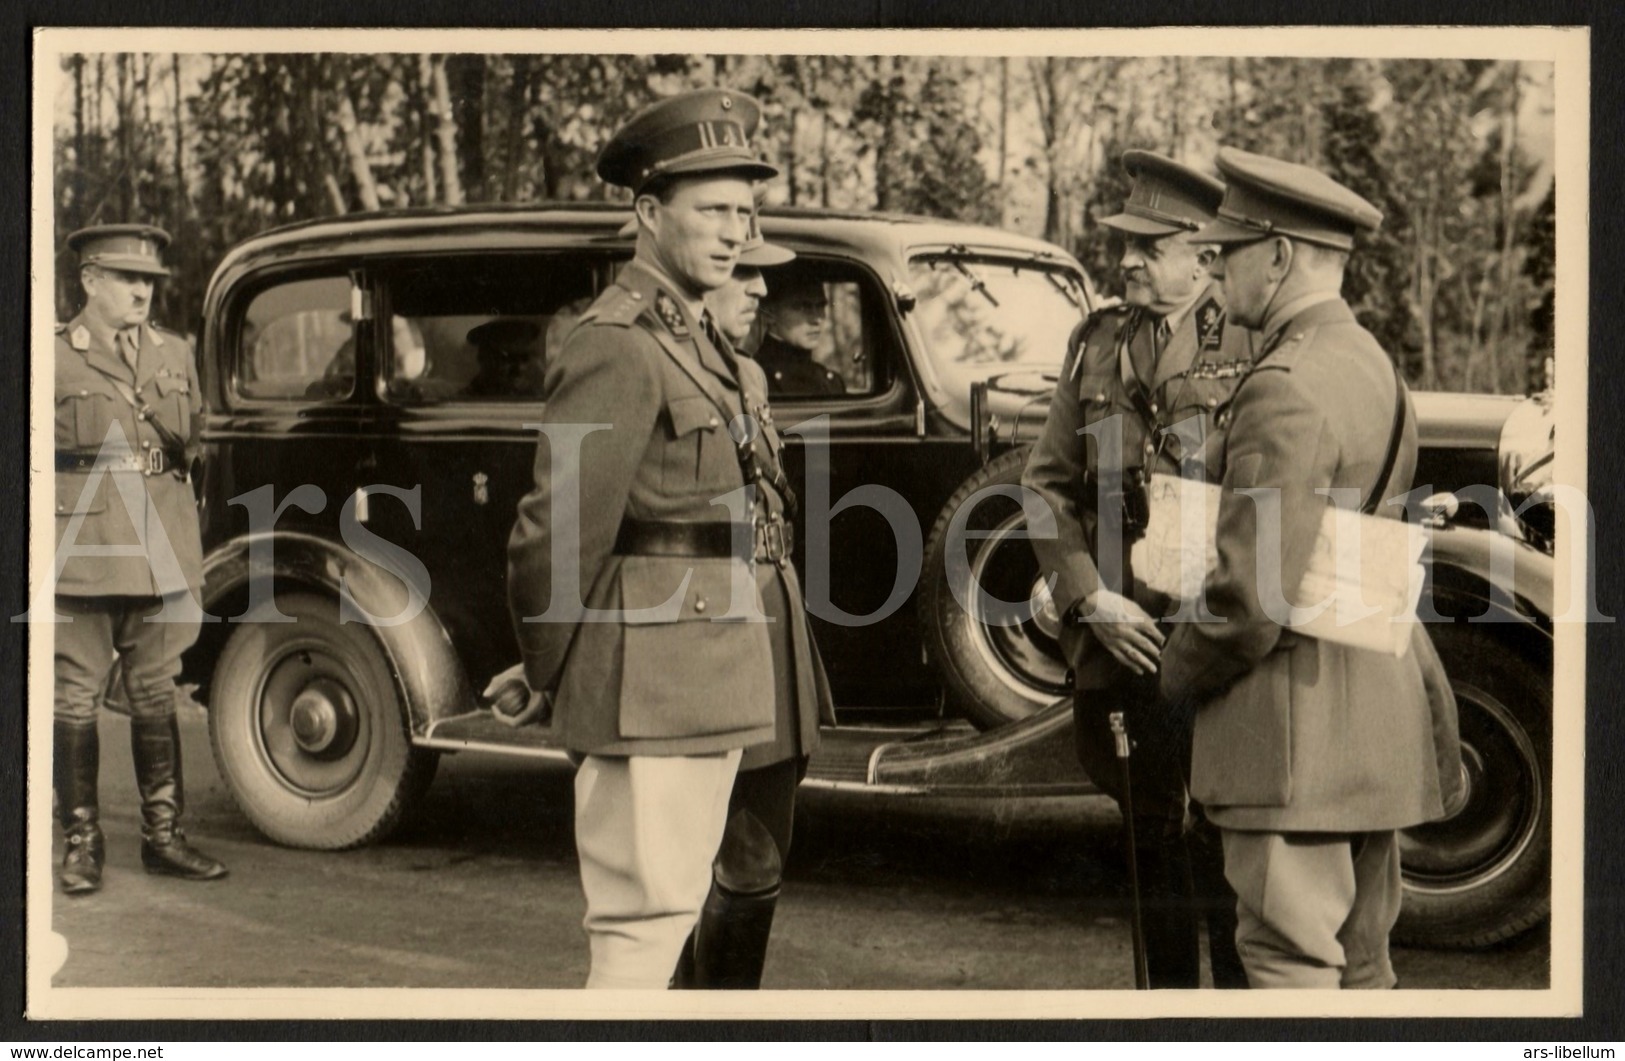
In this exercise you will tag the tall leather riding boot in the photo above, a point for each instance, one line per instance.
(157, 748)
(1173, 955)
(77, 753)
(730, 942)
(1217, 900)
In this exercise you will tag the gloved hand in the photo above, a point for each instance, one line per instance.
(513, 702)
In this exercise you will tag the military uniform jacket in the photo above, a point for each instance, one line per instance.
(1193, 380)
(105, 508)
(649, 680)
(1294, 733)
(792, 372)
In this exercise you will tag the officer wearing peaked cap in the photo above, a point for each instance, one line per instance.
(129, 563)
(671, 525)
(1140, 392)
(1308, 755)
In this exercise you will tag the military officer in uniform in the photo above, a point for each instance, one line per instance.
(729, 946)
(797, 316)
(667, 524)
(1308, 755)
(1147, 377)
(129, 559)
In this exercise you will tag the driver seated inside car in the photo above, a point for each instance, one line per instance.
(795, 314)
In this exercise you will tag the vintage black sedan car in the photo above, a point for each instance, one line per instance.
(369, 382)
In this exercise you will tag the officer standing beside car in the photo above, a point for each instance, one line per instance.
(1139, 392)
(668, 522)
(1308, 755)
(729, 946)
(129, 561)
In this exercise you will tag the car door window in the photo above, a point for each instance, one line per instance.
(298, 342)
(481, 328)
(813, 335)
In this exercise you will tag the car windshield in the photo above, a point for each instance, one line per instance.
(984, 316)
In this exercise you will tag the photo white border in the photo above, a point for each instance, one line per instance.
(1567, 48)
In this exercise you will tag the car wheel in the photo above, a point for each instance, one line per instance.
(995, 668)
(308, 728)
(1484, 874)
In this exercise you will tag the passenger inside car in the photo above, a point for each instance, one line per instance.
(795, 314)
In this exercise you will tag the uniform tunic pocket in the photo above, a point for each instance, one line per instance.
(698, 451)
(82, 419)
(175, 404)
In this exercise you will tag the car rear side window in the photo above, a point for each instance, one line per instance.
(297, 341)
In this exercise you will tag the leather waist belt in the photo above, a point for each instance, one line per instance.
(771, 540)
(150, 462)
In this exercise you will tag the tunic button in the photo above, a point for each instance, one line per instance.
(699, 604)
(638, 295)
(712, 422)
(145, 444)
(1153, 408)
(84, 394)
(1212, 402)
(1100, 397)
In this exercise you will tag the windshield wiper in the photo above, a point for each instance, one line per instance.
(976, 282)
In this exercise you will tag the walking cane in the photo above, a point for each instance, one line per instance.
(1142, 975)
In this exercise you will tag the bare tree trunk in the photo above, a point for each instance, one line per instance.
(1509, 148)
(356, 154)
(823, 159)
(181, 205)
(513, 148)
(884, 66)
(445, 132)
(466, 77)
(77, 174)
(425, 125)
(335, 194)
(1004, 116)
(98, 163)
(126, 166)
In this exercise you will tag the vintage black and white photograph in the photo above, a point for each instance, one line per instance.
(743, 524)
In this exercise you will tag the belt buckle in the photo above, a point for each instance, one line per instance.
(774, 545)
(155, 461)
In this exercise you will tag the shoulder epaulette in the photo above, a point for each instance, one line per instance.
(61, 328)
(617, 307)
(1117, 312)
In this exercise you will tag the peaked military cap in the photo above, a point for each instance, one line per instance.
(131, 248)
(697, 132)
(1268, 197)
(1167, 197)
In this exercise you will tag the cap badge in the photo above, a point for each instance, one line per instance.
(727, 103)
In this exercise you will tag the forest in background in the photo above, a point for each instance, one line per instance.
(1458, 155)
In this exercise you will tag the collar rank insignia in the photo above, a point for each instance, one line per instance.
(80, 337)
(671, 315)
(1209, 325)
(1221, 369)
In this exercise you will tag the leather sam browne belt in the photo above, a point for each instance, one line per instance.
(771, 540)
(151, 462)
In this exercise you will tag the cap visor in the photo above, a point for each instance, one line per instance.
(730, 162)
(1139, 226)
(145, 266)
(766, 255)
(1222, 231)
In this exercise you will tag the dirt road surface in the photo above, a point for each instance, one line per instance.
(480, 890)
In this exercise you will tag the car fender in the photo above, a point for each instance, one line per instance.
(1490, 577)
(428, 673)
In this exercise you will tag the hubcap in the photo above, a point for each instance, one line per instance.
(312, 731)
(323, 719)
